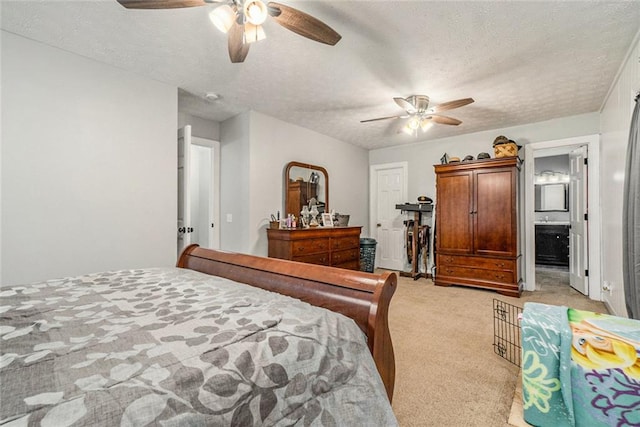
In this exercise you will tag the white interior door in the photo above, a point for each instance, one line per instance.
(578, 237)
(204, 192)
(389, 189)
(184, 188)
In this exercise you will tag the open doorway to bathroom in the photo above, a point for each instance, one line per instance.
(552, 221)
(561, 215)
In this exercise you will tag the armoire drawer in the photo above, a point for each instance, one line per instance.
(321, 258)
(340, 257)
(500, 276)
(309, 246)
(474, 261)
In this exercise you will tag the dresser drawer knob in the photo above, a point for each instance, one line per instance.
(500, 276)
(500, 264)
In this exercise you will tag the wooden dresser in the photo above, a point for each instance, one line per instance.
(333, 246)
(477, 225)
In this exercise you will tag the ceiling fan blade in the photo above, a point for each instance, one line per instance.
(160, 4)
(451, 105)
(405, 105)
(238, 50)
(444, 120)
(383, 118)
(303, 24)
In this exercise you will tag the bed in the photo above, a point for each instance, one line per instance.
(579, 368)
(222, 339)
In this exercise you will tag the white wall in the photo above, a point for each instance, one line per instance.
(235, 183)
(615, 119)
(202, 128)
(423, 155)
(88, 165)
(255, 149)
(275, 143)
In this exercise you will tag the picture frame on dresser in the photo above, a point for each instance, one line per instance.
(327, 221)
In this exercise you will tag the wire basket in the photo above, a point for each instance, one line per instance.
(367, 254)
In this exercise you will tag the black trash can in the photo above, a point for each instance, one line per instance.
(367, 254)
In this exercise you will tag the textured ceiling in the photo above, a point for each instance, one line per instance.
(521, 61)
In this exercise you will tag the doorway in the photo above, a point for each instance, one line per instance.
(552, 223)
(198, 191)
(388, 188)
(574, 215)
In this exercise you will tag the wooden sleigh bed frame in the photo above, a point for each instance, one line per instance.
(364, 297)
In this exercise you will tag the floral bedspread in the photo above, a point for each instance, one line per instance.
(579, 368)
(173, 347)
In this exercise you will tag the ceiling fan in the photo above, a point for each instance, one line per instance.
(421, 116)
(243, 19)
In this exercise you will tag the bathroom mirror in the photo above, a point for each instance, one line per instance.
(551, 197)
(305, 183)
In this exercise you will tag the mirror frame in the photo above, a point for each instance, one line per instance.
(305, 166)
(540, 187)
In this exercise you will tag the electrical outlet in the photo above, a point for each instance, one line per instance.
(229, 218)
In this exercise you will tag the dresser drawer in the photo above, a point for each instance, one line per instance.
(500, 276)
(335, 246)
(474, 261)
(309, 246)
(322, 258)
(341, 243)
(340, 257)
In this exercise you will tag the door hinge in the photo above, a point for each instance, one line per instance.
(585, 161)
(586, 273)
(586, 217)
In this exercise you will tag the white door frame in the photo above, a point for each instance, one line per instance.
(593, 208)
(183, 214)
(373, 190)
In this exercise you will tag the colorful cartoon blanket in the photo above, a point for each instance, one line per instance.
(579, 368)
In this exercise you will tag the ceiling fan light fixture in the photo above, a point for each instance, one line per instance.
(406, 129)
(253, 33)
(413, 123)
(426, 124)
(223, 17)
(255, 11)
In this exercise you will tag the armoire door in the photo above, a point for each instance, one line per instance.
(453, 213)
(494, 212)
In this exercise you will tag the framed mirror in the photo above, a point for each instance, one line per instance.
(305, 184)
(551, 197)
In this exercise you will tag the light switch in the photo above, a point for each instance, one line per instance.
(229, 218)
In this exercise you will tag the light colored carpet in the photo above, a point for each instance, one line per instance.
(447, 373)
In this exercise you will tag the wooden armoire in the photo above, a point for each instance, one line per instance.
(476, 235)
(299, 194)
